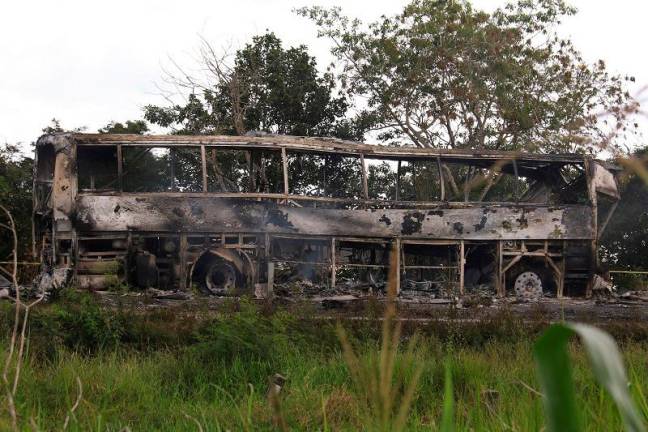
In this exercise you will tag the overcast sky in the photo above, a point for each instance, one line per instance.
(87, 62)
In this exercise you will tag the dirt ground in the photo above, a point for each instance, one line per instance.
(613, 309)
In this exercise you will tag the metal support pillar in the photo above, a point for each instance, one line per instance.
(462, 262)
(333, 267)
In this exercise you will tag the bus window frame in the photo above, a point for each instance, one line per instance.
(286, 196)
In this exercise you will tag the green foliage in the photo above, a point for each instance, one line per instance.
(245, 334)
(129, 127)
(162, 369)
(443, 74)
(266, 88)
(78, 322)
(16, 195)
(554, 370)
(385, 380)
(626, 236)
(56, 126)
(84, 326)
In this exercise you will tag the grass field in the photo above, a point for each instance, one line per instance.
(167, 371)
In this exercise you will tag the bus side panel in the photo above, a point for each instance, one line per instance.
(204, 214)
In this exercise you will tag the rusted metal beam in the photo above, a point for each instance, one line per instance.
(284, 164)
(203, 163)
(499, 274)
(441, 179)
(365, 185)
(333, 267)
(398, 180)
(120, 169)
(591, 191)
(182, 258)
(309, 143)
(397, 262)
(462, 263)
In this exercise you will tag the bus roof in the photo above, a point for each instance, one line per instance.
(306, 144)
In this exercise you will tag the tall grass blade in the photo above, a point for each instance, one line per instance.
(380, 378)
(554, 370)
(609, 371)
(447, 420)
(325, 427)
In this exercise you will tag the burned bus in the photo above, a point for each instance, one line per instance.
(236, 214)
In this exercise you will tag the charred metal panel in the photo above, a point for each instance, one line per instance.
(65, 181)
(604, 181)
(204, 214)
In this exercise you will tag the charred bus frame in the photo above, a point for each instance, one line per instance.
(236, 212)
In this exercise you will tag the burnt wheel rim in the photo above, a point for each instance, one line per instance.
(220, 278)
(528, 286)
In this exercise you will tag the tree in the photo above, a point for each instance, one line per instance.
(443, 74)
(16, 195)
(129, 127)
(626, 238)
(265, 88)
(56, 127)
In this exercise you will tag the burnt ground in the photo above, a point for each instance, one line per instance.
(613, 309)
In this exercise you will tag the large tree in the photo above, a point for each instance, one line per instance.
(625, 240)
(16, 196)
(138, 127)
(266, 87)
(443, 74)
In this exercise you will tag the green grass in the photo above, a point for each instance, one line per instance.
(162, 371)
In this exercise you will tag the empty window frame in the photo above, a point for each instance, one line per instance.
(231, 170)
(162, 169)
(325, 175)
(572, 187)
(483, 181)
(362, 263)
(403, 180)
(553, 183)
(419, 180)
(45, 159)
(267, 171)
(432, 268)
(186, 169)
(301, 259)
(147, 169)
(97, 168)
(501, 182)
(382, 178)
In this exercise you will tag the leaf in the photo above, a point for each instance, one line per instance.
(554, 370)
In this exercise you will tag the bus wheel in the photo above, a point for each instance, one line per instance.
(528, 286)
(218, 277)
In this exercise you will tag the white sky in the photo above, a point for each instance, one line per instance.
(87, 62)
